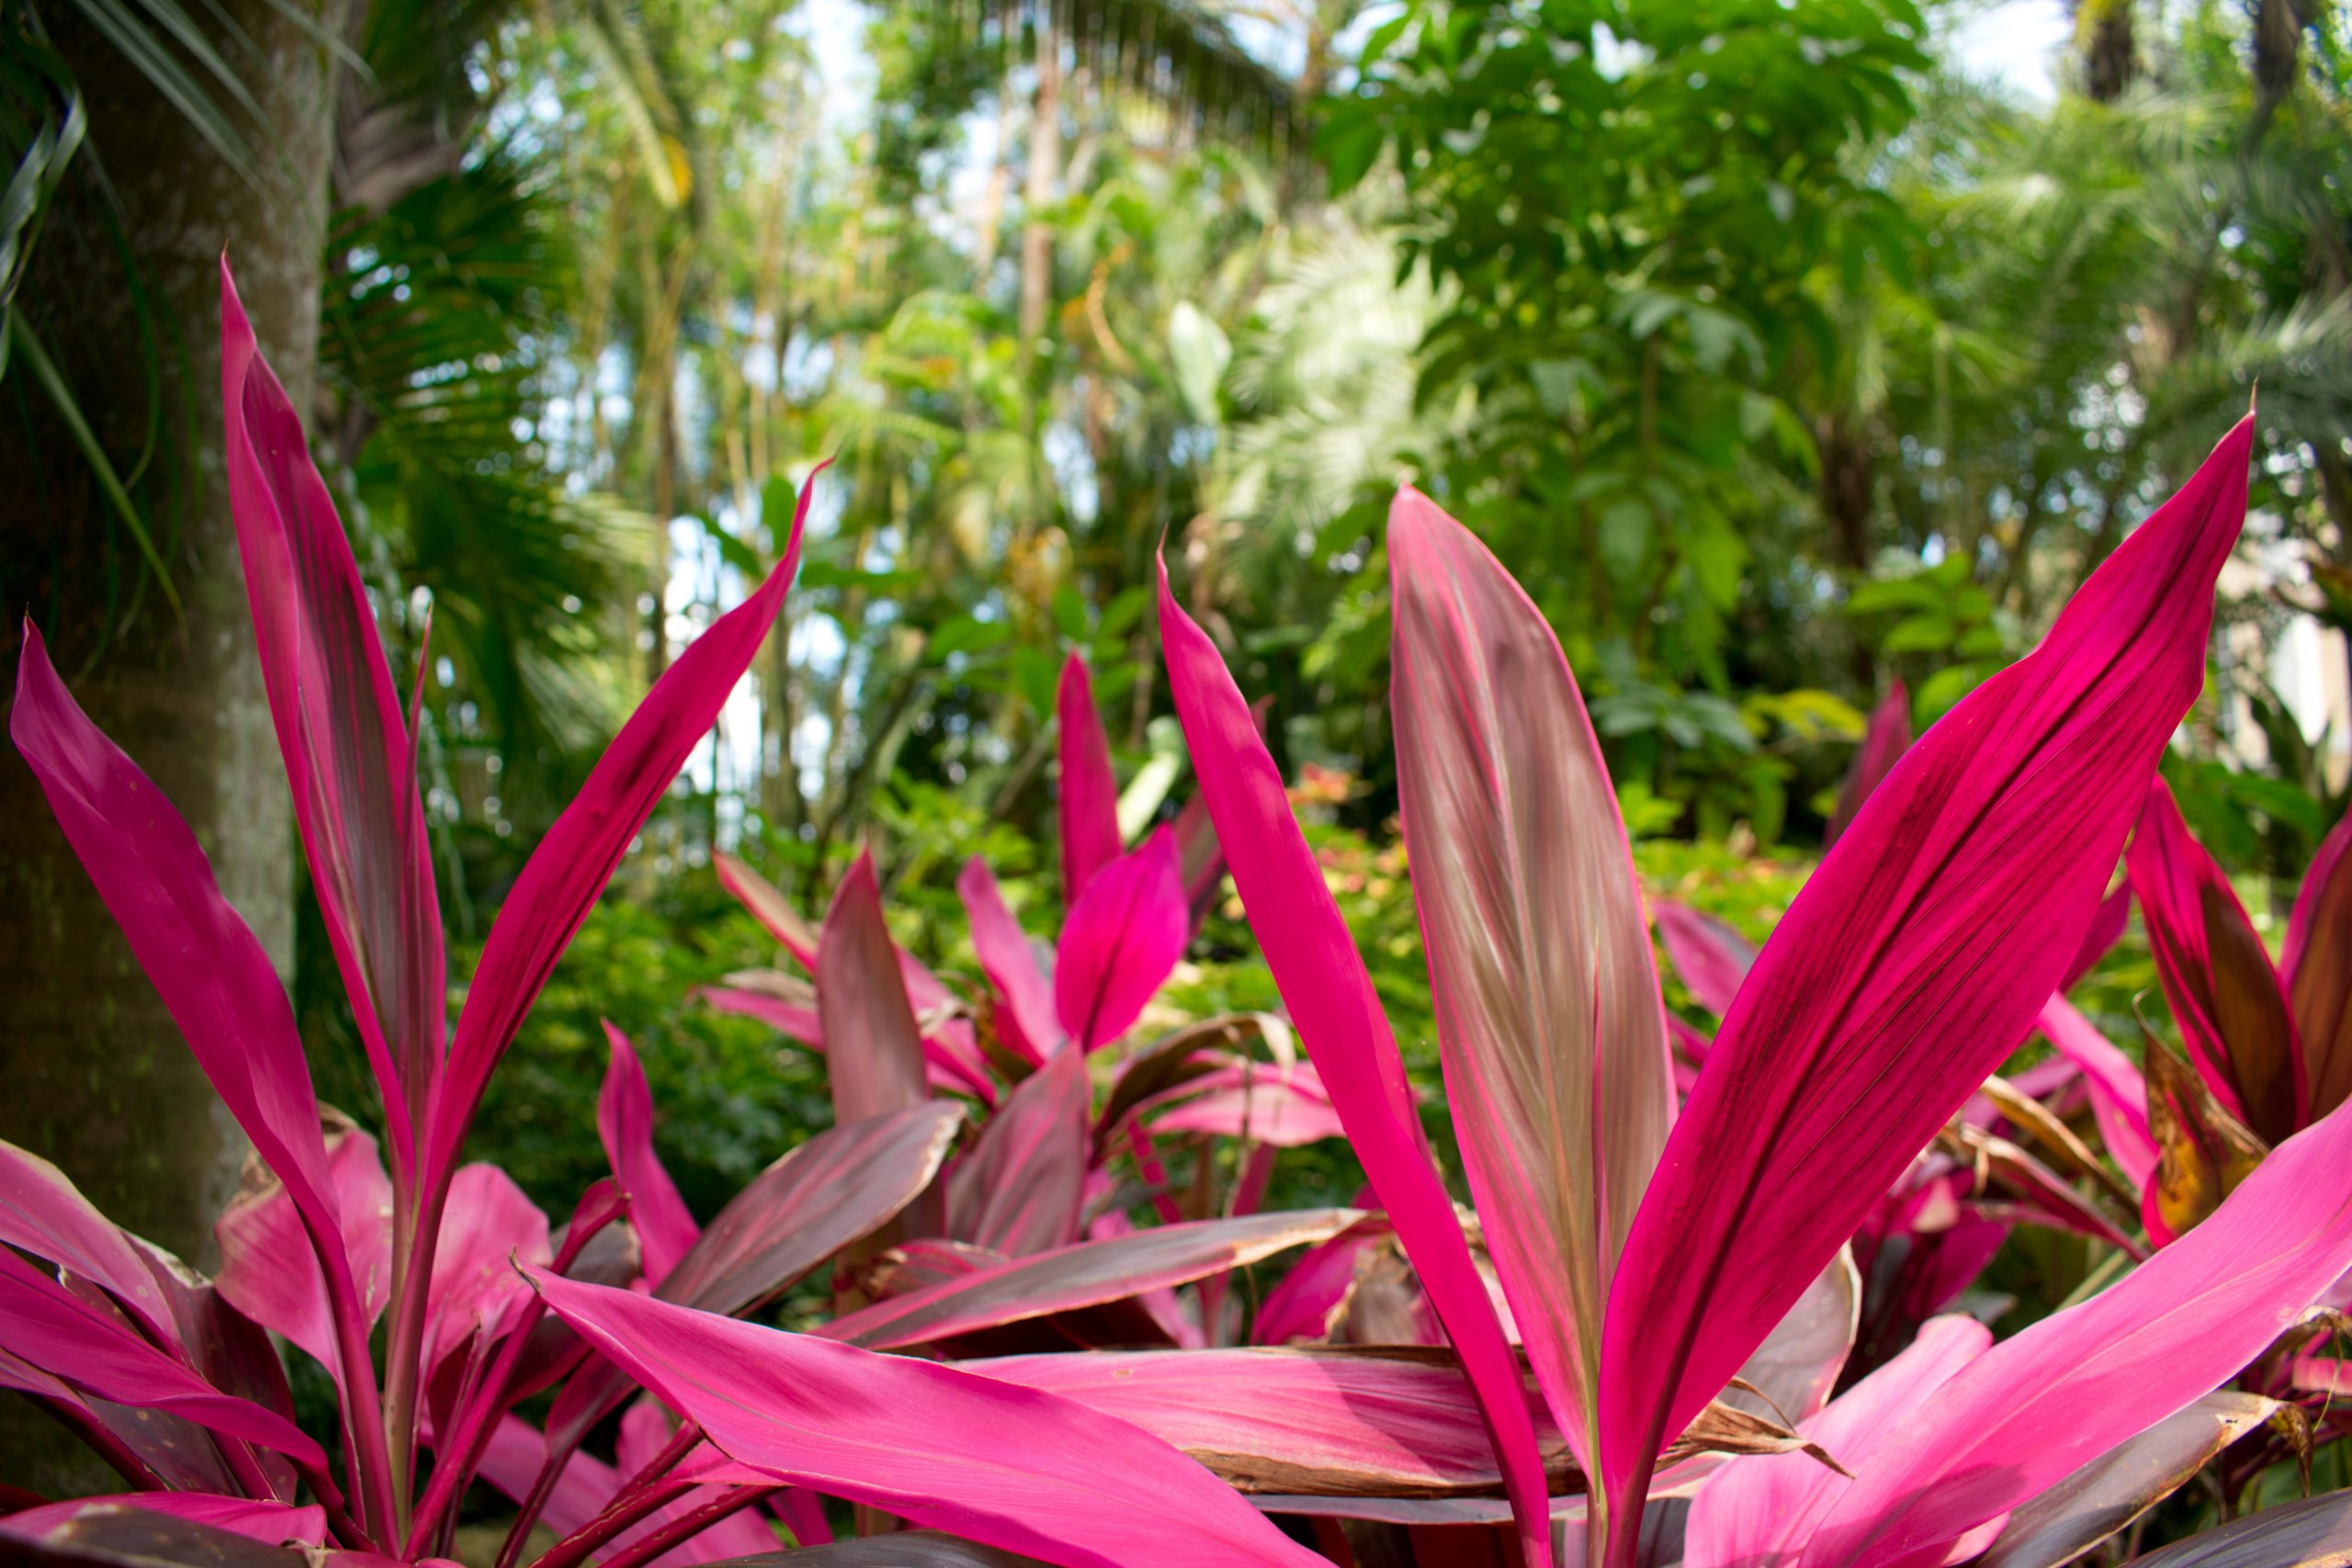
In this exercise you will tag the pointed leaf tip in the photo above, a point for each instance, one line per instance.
(1548, 1012)
(1090, 790)
(1930, 937)
(1331, 1001)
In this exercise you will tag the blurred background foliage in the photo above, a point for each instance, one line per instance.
(1780, 352)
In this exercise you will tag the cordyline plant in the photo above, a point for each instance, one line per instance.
(1042, 1176)
(1662, 1261)
(169, 1376)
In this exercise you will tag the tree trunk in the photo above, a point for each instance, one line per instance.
(93, 1074)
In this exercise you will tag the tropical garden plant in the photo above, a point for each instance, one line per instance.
(1636, 1336)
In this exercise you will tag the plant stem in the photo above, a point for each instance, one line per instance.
(687, 1526)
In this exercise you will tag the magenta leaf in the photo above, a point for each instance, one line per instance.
(1090, 794)
(1018, 1191)
(52, 1329)
(204, 961)
(2039, 1406)
(2318, 973)
(2216, 974)
(1119, 942)
(569, 870)
(1908, 967)
(1004, 1466)
(840, 1185)
(263, 1522)
(486, 1228)
(1086, 1273)
(1547, 1004)
(1764, 1507)
(1291, 1421)
(793, 1017)
(625, 1122)
(1711, 958)
(1329, 994)
(268, 1271)
(1025, 1017)
(1283, 1107)
(1310, 1297)
(900, 1549)
(2118, 1092)
(215, 980)
(769, 907)
(44, 1214)
(1884, 740)
(340, 731)
(874, 1054)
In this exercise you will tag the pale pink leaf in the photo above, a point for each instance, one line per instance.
(1323, 980)
(1005, 1466)
(625, 1122)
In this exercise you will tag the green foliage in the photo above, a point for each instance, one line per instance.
(1627, 204)
(729, 1095)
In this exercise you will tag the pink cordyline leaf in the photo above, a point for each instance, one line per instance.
(1019, 1189)
(51, 1328)
(263, 1522)
(1086, 1273)
(625, 1120)
(569, 870)
(951, 1058)
(836, 1189)
(214, 978)
(1908, 967)
(797, 937)
(2107, 928)
(45, 1213)
(1547, 1004)
(1004, 1466)
(1309, 1299)
(1090, 794)
(2067, 1388)
(1887, 737)
(840, 1185)
(874, 1055)
(1331, 998)
(2216, 974)
(2118, 1092)
(2317, 973)
(1270, 1105)
(211, 972)
(769, 907)
(340, 731)
(1760, 1510)
(1025, 1019)
(488, 1225)
(793, 1021)
(1711, 957)
(1289, 1421)
(268, 1270)
(1119, 942)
